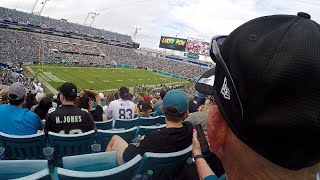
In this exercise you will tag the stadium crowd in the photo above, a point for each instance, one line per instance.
(61, 25)
(259, 124)
(9, 76)
(24, 46)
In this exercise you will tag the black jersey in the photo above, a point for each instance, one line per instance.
(69, 119)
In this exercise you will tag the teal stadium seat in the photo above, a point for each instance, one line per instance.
(104, 125)
(126, 123)
(69, 145)
(161, 119)
(164, 165)
(23, 147)
(104, 136)
(123, 172)
(24, 169)
(145, 130)
(91, 162)
(150, 121)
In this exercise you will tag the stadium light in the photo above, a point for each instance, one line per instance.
(136, 29)
(34, 6)
(94, 15)
(43, 4)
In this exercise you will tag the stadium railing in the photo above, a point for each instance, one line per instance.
(68, 145)
(164, 165)
(104, 136)
(23, 147)
(34, 169)
(125, 171)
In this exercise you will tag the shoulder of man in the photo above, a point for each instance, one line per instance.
(31, 114)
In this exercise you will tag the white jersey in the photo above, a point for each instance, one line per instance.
(121, 109)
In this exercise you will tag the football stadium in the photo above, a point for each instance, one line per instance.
(95, 100)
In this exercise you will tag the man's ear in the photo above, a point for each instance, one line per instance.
(217, 129)
(185, 115)
(24, 99)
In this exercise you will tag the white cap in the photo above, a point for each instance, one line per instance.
(39, 84)
(101, 95)
(40, 96)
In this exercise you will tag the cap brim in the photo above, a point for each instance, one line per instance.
(206, 82)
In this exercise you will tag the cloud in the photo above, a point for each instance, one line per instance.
(184, 18)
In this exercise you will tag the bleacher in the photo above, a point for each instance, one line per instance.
(82, 156)
(47, 23)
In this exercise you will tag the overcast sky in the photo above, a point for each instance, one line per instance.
(185, 18)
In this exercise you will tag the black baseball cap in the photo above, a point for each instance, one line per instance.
(124, 93)
(274, 64)
(69, 90)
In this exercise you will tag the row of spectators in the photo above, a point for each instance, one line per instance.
(24, 46)
(8, 76)
(61, 25)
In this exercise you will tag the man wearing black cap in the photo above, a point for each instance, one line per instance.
(68, 119)
(175, 137)
(266, 124)
(122, 108)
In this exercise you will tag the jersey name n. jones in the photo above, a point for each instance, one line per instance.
(68, 119)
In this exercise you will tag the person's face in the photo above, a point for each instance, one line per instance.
(90, 102)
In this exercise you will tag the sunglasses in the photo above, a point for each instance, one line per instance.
(216, 45)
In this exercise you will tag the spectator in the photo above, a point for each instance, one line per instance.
(52, 96)
(68, 119)
(201, 98)
(13, 119)
(103, 101)
(159, 102)
(30, 100)
(122, 108)
(42, 109)
(201, 117)
(192, 106)
(175, 137)
(146, 109)
(38, 88)
(4, 95)
(38, 98)
(266, 124)
(154, 101)
(205, 106)
(158, 111)
(87, 101)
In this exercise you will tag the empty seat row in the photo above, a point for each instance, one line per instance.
(130, 123)
(98, 166)
(60, 145)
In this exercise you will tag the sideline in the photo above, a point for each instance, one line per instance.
(44, 82)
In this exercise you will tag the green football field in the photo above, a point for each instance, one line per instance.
(100, 78)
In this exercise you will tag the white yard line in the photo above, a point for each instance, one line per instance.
(44, 82)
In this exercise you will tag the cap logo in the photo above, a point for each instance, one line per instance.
(73, 90)
(225, 90)
(208, 81)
